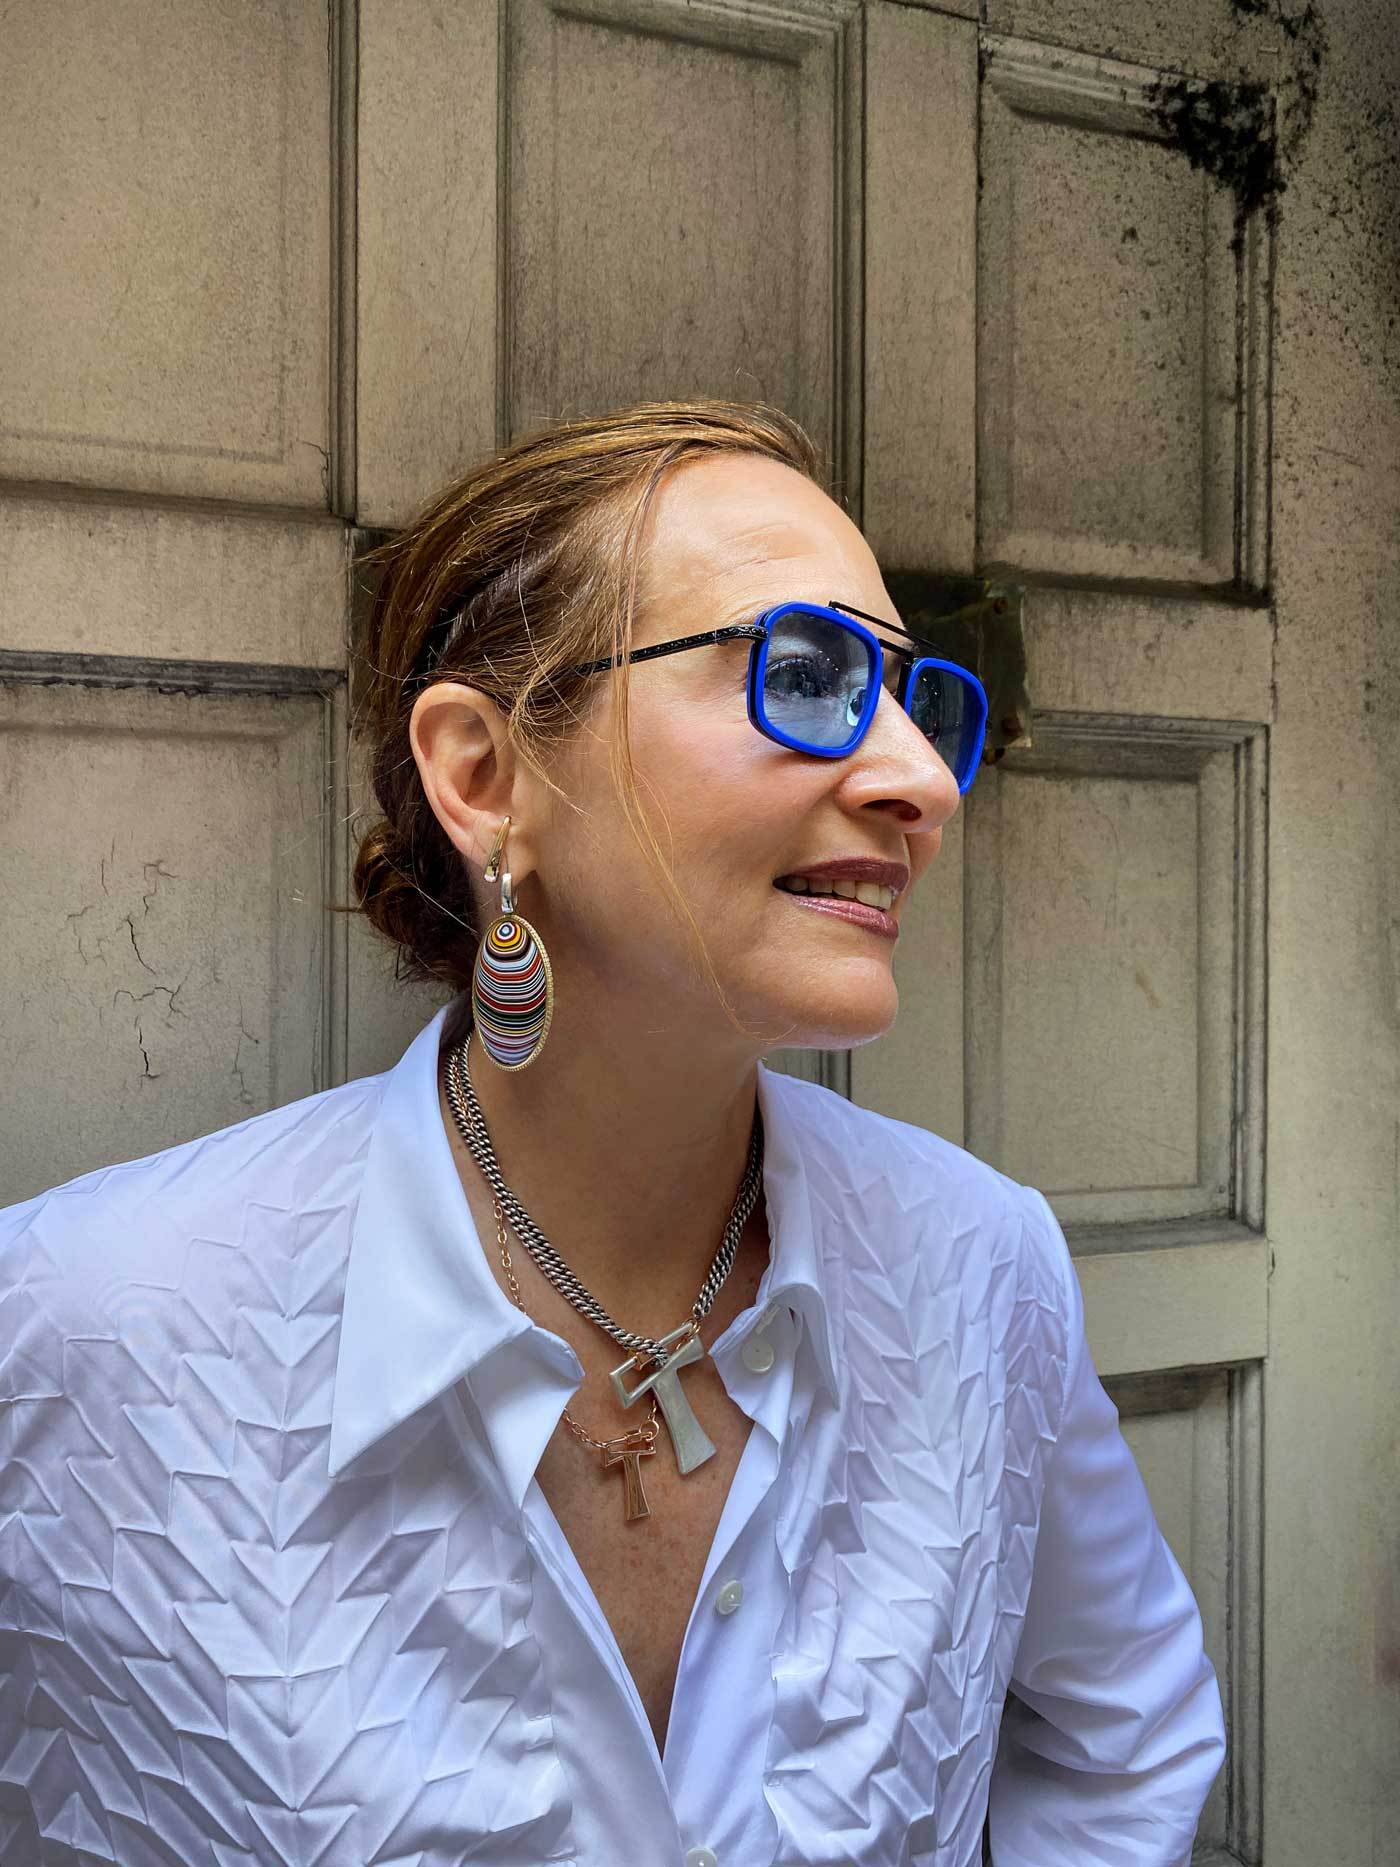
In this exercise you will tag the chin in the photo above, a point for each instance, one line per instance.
(835, 1014)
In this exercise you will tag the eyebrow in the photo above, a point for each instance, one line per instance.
(881, 622)
(736, 614)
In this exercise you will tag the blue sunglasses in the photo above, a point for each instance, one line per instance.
(815, 676)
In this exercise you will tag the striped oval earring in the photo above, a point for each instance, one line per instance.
(512, 982)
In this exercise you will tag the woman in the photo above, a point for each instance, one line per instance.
(581, 1443)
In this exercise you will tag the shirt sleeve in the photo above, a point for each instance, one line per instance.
(1113, 1733)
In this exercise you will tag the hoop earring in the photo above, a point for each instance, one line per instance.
(512, 980)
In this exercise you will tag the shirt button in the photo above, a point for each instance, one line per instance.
(701, 1857)
(757, 1354)
(726, 1601)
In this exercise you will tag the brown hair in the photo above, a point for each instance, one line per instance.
(518, 571)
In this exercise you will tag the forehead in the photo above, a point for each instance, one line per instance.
(733, 530)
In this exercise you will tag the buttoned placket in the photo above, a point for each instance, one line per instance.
(693, 1788)
(723, 1698)
(561, 1593)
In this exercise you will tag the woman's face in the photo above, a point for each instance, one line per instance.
(728, 536)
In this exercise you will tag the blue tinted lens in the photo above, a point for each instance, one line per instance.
(815, 679)
(942, 707)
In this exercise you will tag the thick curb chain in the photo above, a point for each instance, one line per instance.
(466, 1112)
(643, 1436)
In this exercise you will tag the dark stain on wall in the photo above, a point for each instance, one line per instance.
(1244, 133)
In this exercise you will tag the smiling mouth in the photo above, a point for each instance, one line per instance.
(871, 894)
(839, 901)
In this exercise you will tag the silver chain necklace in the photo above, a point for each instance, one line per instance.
(658, 1362)
(466, 1111)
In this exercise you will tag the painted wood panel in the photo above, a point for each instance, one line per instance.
(1107, 954)
(114, 577)
(683, 189)
(1179, 1431)
(920, 289)
(1148, 657)
(1188, 1295)
(427, 359)
(166, 309)
(1112, 377)
(161, 918)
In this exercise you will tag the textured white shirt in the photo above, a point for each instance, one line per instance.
(277, 1583)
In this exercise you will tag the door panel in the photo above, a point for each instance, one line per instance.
(1114, 379)
(106, 577)
(168, 200)
(1179, 1429)
(919, 481)
(426, 352)
(1104, 960)
(683, 207)
(164, 872)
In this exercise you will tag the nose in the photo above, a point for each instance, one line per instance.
(894, 768)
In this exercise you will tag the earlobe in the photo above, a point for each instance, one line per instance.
(466, 763)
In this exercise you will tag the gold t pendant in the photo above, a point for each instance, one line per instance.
(629, 1454)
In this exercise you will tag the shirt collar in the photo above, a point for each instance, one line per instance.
(798, 1273)
(422, 1309)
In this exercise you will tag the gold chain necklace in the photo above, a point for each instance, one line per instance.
(628, 1449)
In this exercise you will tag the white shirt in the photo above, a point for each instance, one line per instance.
(277, 1583)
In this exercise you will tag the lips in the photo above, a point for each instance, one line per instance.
(877, 919)
(862, 889)
(852, 878)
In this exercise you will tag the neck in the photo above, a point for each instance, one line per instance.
(627, 1151)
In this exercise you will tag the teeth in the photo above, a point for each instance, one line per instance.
(871, 893)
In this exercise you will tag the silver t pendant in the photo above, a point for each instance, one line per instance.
(691, 1443)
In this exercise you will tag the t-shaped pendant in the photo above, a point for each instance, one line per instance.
(629, 1453)
(691, 1443)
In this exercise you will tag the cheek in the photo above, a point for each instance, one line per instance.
(699, 774)
(724, 804)
(923, 850)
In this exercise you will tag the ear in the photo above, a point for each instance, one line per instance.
(469, 771)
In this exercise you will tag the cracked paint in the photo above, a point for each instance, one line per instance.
(135, 948)
(105, 932)
(236, 1068)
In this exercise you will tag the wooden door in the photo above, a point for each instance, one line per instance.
(172, 581)
(280, 273)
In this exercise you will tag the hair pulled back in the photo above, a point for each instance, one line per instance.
(519, 570)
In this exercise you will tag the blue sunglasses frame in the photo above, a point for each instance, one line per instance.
(760, 632)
